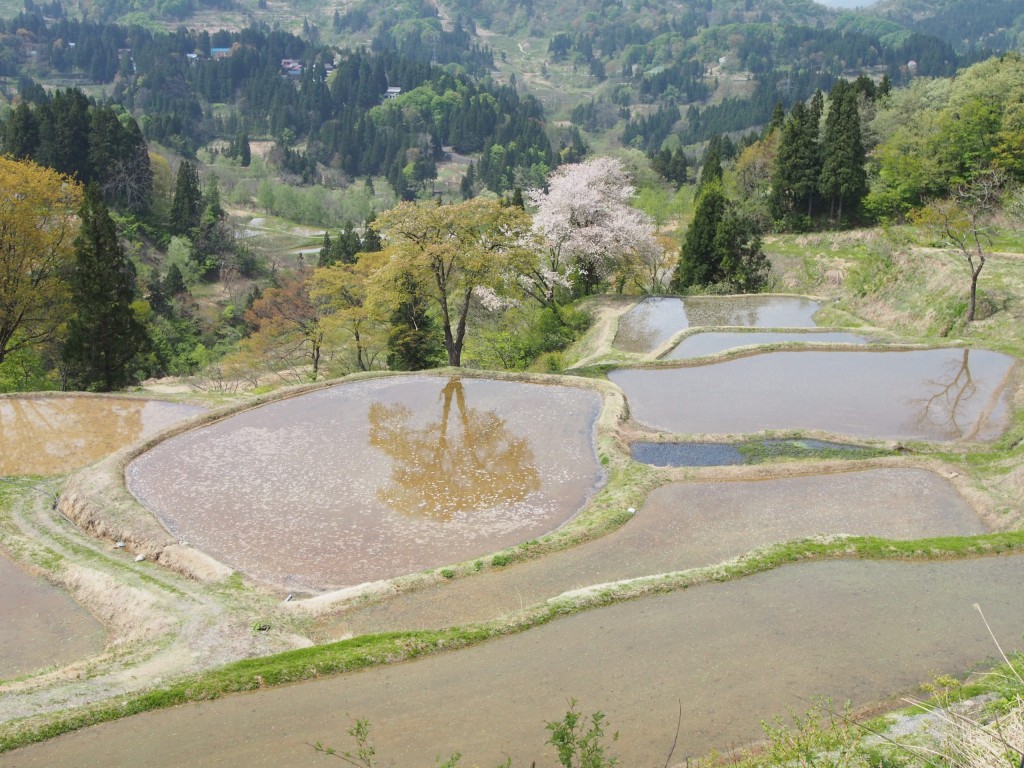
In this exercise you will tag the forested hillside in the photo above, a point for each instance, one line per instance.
(211, 146)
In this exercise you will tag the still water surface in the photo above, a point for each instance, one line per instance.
(654, 321)
(731, 654)
(711, 343)
(49, 435)
(40, 625)
(378, 478)
(687, 525)
(935, 394)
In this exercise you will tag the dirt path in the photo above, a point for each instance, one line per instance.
(161, 625)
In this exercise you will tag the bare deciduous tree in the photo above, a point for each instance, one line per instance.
(964, 220)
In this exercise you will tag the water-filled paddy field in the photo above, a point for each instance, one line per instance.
(935, 394)
(654, 321)
(711, 342)
(378, 478)
(41, 626)
(50, 435)
(688, 525)
(731, 653)
(383, 477)
(731, 454)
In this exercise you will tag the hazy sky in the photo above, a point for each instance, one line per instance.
(846, 3)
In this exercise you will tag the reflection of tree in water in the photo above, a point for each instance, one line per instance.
(49, 435)
(724, 312)
(952, 393)
(467, 463)
(636, 334)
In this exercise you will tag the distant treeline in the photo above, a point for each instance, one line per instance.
(337, 109)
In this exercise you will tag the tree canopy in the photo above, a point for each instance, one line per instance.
(589, 230)
(104, 337)
(452, 253)
(38, 222)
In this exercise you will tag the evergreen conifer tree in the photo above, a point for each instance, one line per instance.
(843, 177)
(103, 337)
(326, 256)
(186, 208)
(174, 283)
(698, 262)
(720, 247)
(414, 341)
(711, 169)
(371, 240)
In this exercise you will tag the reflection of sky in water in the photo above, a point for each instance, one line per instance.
(654, 321)
(923, 394)
(377, 478)
(712, 342)
(48, 435)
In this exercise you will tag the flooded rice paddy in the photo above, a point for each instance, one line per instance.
(935, 394)
(378, 478)
(731, 654)
(41, 626)
(711, 343)
(688, 525)
(51, 435)
(728, 454)
(654, 321)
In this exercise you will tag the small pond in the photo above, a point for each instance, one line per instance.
(728, 454)
(377, 478)
(935, 394)
(50, 435)
(42, 626)
(654, 321)
(711, 342)
(729, 654)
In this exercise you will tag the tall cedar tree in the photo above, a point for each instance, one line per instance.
(103, 335)
(698, 264)
(711, 170)
(188, 200)
(797, 165)
(843, 178)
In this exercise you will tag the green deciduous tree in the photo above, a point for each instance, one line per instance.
(103, 337)
(450, 252)
(37, 226)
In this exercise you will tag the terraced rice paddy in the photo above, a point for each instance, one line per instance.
(689, 525)
(41, 625)
(376, 479)
(711, 343)
(654, 321)
(383, 477)
(51, 435)
(730, 653)
(935, 394)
